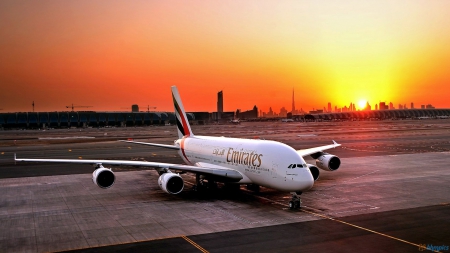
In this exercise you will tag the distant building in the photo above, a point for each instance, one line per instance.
(383, 106)
(429, 106)
(270, 113)
(316, 111)
(391, 106)
(412, 105)
(283, 112)
(219, 104)
(293, 102)
(135, 108)
(400, 106)
(376, 107)
(367, 107)
(251, 114)
(329, 107)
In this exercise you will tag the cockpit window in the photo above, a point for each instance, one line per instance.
(290, 166)
(293, 165)
(299, 165)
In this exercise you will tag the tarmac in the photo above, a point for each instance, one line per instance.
(390, 194)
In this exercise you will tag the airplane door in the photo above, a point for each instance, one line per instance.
(274, 170)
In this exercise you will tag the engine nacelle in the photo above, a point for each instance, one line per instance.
(103, 177)
(314, 171)
(171, 183)
(328, 162)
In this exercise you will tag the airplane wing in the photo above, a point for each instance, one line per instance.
(215, 171)
(309, 151)
(153, 144)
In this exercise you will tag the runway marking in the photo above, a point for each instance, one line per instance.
(340, 221)
(123, 243)
(363, 228)
(194, 244)
(351, 179)
(347, 223)
(355, 202)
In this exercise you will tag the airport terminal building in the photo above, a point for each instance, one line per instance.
(122, 119)
(87, 119)
(379, 114)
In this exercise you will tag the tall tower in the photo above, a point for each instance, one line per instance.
(293, 101)
(219, 104)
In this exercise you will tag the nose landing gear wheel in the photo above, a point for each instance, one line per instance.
(296, 202)
(291, 205)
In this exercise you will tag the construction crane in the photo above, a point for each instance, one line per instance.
(148, 108)
(77, 106)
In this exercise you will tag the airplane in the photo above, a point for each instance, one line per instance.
(233, 161)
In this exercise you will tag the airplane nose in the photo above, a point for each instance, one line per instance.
(308, 180)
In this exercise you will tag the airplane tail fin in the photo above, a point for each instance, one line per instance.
(184, 129)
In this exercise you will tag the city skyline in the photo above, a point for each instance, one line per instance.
(283, 112)
(361, 106)
(111, 56)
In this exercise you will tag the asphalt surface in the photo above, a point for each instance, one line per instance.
(392, 196)
(315, 236)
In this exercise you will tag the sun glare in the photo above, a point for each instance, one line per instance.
(362, 104)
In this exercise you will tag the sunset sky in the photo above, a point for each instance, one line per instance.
(112, 54)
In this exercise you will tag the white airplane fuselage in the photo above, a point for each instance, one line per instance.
(260, 162)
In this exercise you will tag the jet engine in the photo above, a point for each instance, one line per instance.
(314, 171)
(171, 183)
(103, 177)
(328, 162)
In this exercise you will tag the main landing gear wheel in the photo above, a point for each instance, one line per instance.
(295, 202)
(200, 185)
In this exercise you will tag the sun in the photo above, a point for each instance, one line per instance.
(362, 104)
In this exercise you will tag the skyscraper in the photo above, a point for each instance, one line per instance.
(391, 106)
(329, 107)
(219, 104)
(293, 102)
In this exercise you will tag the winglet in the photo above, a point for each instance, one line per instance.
(336, 144)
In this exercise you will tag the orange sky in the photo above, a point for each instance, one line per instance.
(111, 54)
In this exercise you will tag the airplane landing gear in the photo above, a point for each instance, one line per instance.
(203, 183)
(295, 202)
(199, 183)
(253, 187)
